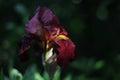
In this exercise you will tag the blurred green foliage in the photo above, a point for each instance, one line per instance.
(93, 25)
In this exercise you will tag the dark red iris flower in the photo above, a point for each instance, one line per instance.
(44, 27)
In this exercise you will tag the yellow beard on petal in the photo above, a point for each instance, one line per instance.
(62, 37)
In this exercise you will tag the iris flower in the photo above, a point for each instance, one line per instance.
(45, 28)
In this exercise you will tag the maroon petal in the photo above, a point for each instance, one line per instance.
(66, 51)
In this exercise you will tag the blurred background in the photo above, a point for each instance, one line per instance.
(93, 25)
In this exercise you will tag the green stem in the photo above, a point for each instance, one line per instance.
(51, 69)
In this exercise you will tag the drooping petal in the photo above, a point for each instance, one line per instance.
(66, 50)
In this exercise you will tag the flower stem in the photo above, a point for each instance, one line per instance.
(51, 69)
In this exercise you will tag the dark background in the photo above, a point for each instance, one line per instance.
(93, 25)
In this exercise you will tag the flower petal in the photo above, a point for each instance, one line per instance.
(47, 17)
(34, 26)
(66, 51)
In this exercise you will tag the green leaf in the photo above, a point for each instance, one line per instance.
(57, 75)
(37, 76)
(45, 75)
(32, 74)
(68, 77)
(15, 74)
